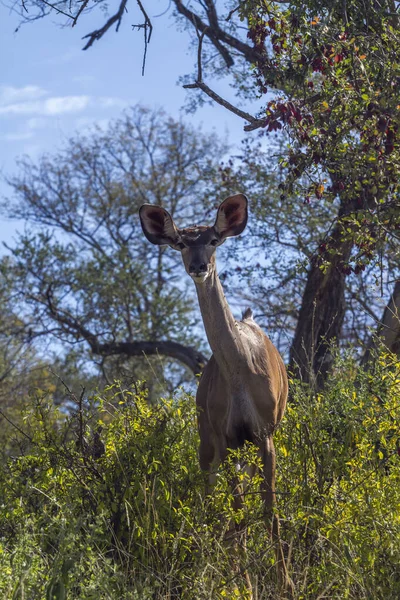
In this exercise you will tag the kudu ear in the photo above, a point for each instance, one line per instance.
(158, 225)
(232, 216)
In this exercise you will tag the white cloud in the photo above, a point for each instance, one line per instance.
(21, 108)
(11, 95)
(49, 107)
(30, 112)
(65, 104)
(17, 136)
(34, 100)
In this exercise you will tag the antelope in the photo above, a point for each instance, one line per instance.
(243, 389)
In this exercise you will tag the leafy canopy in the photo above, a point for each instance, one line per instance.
(336, 67)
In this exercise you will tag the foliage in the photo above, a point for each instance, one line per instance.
(83, 273)
(112, 302)
(338, 69)
(273, 258)
(107, 501)
(327, 74)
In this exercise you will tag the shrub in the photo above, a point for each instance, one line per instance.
(106, 501)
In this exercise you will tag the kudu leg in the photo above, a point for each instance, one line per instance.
(209, 454)
(235, 537)
(269, 497)
(209, 469)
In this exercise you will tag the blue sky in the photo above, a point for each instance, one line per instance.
(50, 88)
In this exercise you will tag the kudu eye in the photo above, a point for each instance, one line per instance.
(180, 245)
(214, 242)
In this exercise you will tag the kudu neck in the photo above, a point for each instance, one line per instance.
(220, 325)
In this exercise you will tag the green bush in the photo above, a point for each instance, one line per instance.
(106, 501)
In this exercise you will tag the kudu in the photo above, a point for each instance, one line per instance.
(243, 389)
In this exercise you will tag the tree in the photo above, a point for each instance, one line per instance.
(17, 359)
(334, 69)
(83, 272)
(315, 55)
(78, 277)
(272, 272)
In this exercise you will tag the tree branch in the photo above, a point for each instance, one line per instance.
(199, 84)
(80, 11)
(98, 33)
(388, 331)
(54, 7)
(218, 36)
(253, 122)
(187, 355)
(207, 30)
(147, 29)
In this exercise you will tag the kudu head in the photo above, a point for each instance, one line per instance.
(197, 244)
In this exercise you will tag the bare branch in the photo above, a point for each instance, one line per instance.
(17, 427)
(212, 13)
(365, 306)
(80, 11)
(98, 33)
(254, 123)
(203, 28)
(147, 29)
(54, 7)
(218, 36)
(199, 84)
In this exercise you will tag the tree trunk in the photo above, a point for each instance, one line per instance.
(388, 331)
(322, 312)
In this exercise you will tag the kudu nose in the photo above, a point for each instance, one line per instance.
(195, 267)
